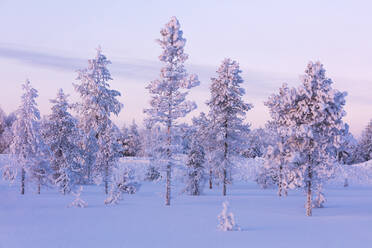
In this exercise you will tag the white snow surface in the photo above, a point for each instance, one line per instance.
(142, 219)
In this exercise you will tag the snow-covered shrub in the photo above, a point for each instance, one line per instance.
(319, 198)
(122, 181)
(153, 173)
(78, 202)
(226, 219)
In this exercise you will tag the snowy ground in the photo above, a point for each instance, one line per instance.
(142, 220)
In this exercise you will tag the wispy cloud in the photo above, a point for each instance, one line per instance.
(259, 83)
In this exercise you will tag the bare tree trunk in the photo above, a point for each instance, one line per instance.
(280, 188)
(23, 177)
(225, 161)
(309, 194)
(224, 182)
(168, 183)
(346, 183)
(210, 178)
(106, 178)
(88, 173)
(38, 187)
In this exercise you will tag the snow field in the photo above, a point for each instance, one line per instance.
(142, 220)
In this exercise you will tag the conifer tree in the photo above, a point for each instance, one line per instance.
(310, 118)
(227, 110)
(365, 144)
(168, 93)
(98, 103)
(62, 135)
(26, 145)
(206, 137)
(195, 170)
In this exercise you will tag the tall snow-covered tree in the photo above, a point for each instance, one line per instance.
(228, 110)
(310, 118)
(27, 144)
(98, 103)
(62, 135)
(278, 156)
(168, 93)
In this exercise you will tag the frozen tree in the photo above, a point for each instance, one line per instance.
(226, 219)
(78, 202)
(97, 104)
(134, 139)
(319, 199)
(3, 127)
(6, 135)
(365, 144)
(206, 138)
(278, 164)
(310, 119)
(130, 139)
(195, 171)
(258, 140)
(62, 135)
(168, 93)
(108, 154)
(153, 149)
(27, 145)
(123, 181)
(227, 110)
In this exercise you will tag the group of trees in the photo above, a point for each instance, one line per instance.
(301, 143)
(61, 148)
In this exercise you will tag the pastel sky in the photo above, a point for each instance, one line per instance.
(47, 41)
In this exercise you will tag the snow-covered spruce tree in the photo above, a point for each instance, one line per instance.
(124, 140)
(311, 119)
(258, 141)
(365, 144)
(62, 135)
(228, 110)
(3, 127)
(7, 134)
(206, 136)
(319, 128)
(152, 148)
(27, 144)
(130, 140)
(195, 171)
(134, 139)
(108, 153)
(278, 156)
(168, 92)
(97, 104)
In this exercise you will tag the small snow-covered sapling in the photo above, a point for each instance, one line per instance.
(227, 220)
(78, 202)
